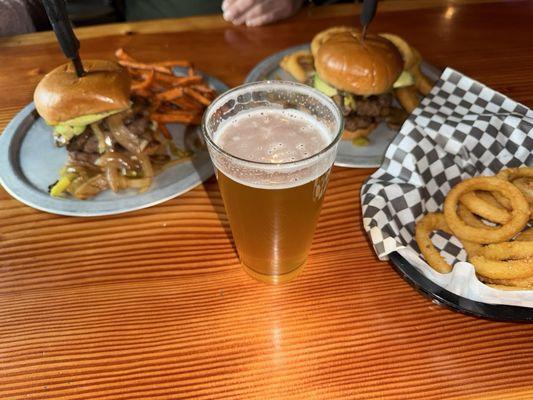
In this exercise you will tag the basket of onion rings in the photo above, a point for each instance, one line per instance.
(453, 199)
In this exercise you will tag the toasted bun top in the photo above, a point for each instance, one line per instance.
(363, 67)
(323, 36)
(61, 95)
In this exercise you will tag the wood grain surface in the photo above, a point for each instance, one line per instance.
(153, 304)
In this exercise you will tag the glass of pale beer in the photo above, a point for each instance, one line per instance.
(273, 144)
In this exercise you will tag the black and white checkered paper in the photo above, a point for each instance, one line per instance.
(461, 129)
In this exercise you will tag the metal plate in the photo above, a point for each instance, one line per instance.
(29, 163)
(454, 302)
(348, 155)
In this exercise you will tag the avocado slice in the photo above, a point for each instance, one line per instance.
(349, 101)
(75, 126)
(324, 87)
(405, 79)
(68, 131)
(89, 118)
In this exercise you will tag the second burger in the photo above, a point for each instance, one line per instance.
(359, 74)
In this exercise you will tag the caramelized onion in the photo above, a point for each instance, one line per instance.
(100, 137)
(91, 187)
(122, 134)
(146, 166)
(112, 175)
(114, 157)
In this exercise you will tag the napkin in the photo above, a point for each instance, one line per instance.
(460, 130)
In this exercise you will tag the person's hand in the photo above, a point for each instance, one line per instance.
(259, 12)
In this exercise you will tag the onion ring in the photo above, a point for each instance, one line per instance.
(478, 202)
(507, 250)
(472, 249)
(519, 214)
(408, 97)
(422, 82)
(489, 198)
(509, 284)
(525, 236)
(296, 64)
(510, 175)
(503, 201)
(464, 213)
(508, 288)
(525, 185)
(403, 47)
(469, 218)
(497, 269)
(424, 227)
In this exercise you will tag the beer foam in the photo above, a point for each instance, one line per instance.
(273, 137)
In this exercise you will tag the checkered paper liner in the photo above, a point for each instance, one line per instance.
(461, 129)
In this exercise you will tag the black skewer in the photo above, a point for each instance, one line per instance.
(367, 14)
(57, 14)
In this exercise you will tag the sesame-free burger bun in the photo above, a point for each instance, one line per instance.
(61, 96)
(362, 67)
(323, 36)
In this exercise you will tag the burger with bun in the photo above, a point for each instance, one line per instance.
(359, 75)
(109, 137)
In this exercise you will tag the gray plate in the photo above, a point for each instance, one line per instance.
(29, 163)
(348, 155)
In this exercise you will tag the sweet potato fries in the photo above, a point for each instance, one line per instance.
(172, 99)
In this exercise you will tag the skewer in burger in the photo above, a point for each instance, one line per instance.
(110, 139)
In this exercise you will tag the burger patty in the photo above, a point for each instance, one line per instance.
(138, 125)
(83, 148)
(371, 106)
(353, 122)
(368, 110)
(86, 142)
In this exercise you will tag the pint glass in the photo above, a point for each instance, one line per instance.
(273, 144)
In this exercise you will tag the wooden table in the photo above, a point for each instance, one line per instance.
(154, 305)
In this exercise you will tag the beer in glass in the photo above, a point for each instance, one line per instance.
(273, 145)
